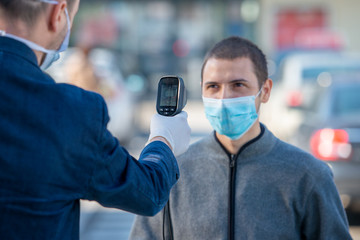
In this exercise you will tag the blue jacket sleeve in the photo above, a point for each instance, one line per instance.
(138, 186)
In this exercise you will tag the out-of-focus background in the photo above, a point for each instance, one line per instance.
(121, 48)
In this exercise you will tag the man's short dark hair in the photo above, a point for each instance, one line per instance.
(237, 47)
(25, 10)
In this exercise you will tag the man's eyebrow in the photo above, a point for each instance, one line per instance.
(238, 80)
(232, 81)
(210, 83)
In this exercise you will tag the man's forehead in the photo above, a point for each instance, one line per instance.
(227, 64)
(230, 69)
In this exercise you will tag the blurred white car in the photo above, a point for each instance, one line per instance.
(300, 74)
(98, 71)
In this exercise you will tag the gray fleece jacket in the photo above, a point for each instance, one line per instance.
(278, 192)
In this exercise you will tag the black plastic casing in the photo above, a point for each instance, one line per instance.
(171, 97)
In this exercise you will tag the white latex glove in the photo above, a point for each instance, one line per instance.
(175, 130)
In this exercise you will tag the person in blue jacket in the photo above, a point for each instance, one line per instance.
(55, 148)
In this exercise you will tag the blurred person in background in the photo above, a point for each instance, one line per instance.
(241, 182)
(54, 143)
(81, 73)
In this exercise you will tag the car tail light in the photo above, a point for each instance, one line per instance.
(294, 98)
(331, 144)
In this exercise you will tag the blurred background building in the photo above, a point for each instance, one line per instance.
(154, 38)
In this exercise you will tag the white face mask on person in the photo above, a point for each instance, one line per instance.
(231, 117)
(50, 55)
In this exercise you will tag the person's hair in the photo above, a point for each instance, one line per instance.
(236, 47)
(26, 10)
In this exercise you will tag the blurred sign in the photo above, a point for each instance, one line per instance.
(318, 38)
(290, 22)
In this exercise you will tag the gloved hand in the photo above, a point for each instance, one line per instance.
(175, 130)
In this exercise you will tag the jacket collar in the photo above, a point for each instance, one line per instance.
(259, 146)
(18, 48)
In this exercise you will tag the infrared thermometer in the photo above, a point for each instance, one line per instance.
(171, 97)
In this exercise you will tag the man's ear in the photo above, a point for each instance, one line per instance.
(57, 16)
(266, 90)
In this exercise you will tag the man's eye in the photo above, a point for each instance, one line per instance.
(212, 86)
(239, 84)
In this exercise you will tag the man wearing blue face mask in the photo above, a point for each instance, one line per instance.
(55, 148)
(241, 182)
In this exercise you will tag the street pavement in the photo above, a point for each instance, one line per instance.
(99, 223)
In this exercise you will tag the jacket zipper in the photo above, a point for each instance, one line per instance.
(231, 214)
(232, 184)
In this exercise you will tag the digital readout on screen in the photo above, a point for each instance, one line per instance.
(168, 95)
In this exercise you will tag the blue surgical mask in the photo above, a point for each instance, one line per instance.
(50, 55)
(231, 117)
